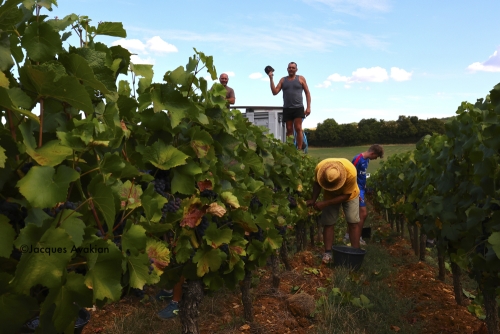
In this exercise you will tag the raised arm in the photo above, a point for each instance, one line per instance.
(308, 95)
(277, 89)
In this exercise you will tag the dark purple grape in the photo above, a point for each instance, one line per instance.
(255, 202)
(26, 167)
(292, 201)
(78, 169)
(202, 227)
(209, 194)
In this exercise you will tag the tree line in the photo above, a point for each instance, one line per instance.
(405, 130)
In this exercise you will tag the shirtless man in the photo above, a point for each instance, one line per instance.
(230, 97)
(293, 107)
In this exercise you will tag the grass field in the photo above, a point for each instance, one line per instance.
(351, 151)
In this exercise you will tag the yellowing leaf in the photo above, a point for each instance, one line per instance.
(216, 210)
(230, 199)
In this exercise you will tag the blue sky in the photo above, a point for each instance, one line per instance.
(361, 58)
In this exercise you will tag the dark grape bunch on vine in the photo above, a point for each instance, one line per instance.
(255, 203)
(171, 206)
(209, 194)
(202, 227)
(26, 167)
(259, 235)
(281, 230)
(65, 206)
(292, 201)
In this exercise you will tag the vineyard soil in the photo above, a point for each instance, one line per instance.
(432, 308)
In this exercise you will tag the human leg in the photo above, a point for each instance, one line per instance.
(363, 213)
(328, 218)
(299, 136)
(351, 210)
(172, 308)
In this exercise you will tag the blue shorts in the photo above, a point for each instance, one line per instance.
(362, 202)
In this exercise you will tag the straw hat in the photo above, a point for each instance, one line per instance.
(331, 176)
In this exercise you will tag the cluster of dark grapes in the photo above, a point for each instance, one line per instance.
(276, 189)
(171, 206)
(67, 205)
(138, 292)
(255, 203)
(150, 269)
(14, 212)
(259, 235)
(281, 230)
(202, 227)
(209, 194)
(224, 248)
(159, 185)
(26, 167)
(292, 201)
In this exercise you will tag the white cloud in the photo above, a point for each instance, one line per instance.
(158, 45)
(265, 79)
(324, 84)
(337, 78)
(398, 74)
(372, 74)
(255, 75)
(492, 64)
(133, 45)
(135, 59)
(363, 74)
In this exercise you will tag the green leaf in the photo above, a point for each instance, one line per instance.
(73, 225)
(103, 200)
(46, 264)
(68, 298)
(51, 153)
(130, 195)
(4, 82)
(67, 89)
(78, 66)
(253, 161)
(134, 239)
(111, 29)
(184, 178)
(7, 102)
(105, 271)
(230, 199)
(207, 260)
(7, 236)
(494, 240)
(216, 237)
(164, 157)
(51, 186)
(3, 157)
(15, 310)
(200, 142)
(41, 42)
(138, 268)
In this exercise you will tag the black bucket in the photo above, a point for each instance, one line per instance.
(82, 320)
(346, 256)
(366, 233)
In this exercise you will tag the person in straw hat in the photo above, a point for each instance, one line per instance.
(337, 177)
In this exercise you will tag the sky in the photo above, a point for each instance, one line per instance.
(361, 58)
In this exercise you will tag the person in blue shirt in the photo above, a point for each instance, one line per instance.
(361, 162)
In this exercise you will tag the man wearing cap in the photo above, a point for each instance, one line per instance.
(337, 177)
(293, 107)
(230, 97)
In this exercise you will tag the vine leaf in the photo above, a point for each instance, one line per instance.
(494, 240)
(15, 310)
(9, 102)
(78, 66)
(111, 29)
(43, 187)
(216, 237)
(103, 199)
(68, 298)
(207, 260)
(230, 199)
(73, 225)
(41, 42)
(3, 157)
(139, 273)
(163, 156)
(47, 266)
(105, 271)
(7, 236)
(134, 239)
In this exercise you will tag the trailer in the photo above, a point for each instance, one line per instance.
(269, 117)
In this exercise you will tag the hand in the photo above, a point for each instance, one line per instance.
(307, 112)
(310, 202)
(271, 74)
(320, 205)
